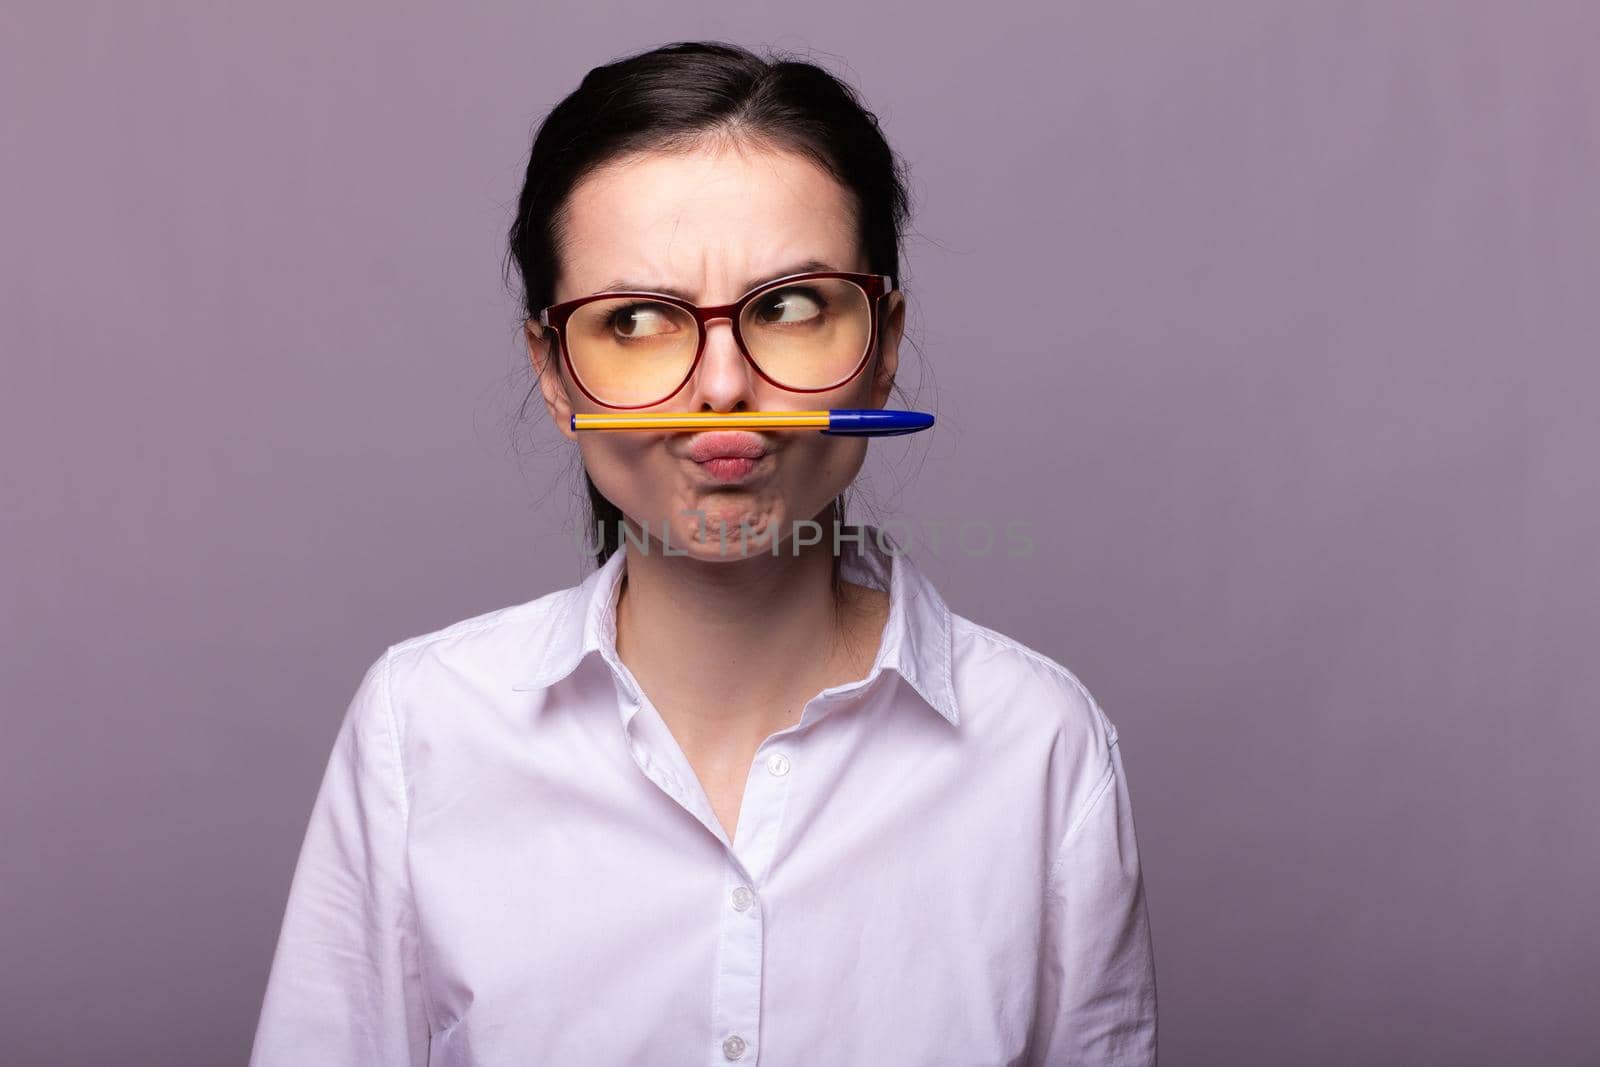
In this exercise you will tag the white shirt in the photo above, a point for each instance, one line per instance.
(510, 861)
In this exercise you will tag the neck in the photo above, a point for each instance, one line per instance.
(729, 651)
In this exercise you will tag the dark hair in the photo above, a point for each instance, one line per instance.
(675, 98)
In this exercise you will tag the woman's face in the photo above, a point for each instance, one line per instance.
(707, 224)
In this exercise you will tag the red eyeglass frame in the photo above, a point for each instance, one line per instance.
(876, 287)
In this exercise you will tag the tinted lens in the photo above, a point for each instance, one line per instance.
(808, 334)
(628, 351)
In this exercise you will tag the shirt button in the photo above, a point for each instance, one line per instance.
(733, 1047)
(777, 765)
(742, 899)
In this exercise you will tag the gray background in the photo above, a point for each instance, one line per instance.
(1275, 322)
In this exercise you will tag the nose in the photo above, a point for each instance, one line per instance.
(724, 380)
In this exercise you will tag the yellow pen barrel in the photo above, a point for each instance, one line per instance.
(702, 420)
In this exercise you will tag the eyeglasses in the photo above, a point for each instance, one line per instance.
(806, 333)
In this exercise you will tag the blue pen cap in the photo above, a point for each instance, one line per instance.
(875, 422)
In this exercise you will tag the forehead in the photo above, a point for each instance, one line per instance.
(704, 222)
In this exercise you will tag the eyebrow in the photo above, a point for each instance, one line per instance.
(626, 285)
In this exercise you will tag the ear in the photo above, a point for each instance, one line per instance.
(891, 326)
(547, 368)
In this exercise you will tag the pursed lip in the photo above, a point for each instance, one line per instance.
(727, 444)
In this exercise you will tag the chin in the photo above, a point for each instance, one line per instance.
(710, 542)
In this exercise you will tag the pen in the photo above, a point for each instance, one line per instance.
(852, 422)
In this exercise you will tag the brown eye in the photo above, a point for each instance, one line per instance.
(790, 307)
(636, 321)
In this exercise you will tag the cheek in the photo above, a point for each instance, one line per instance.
(820, 464)
(825, 465)
(856, 393)
(613, 462)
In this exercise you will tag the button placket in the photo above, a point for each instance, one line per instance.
(739, 977)
(761, 813)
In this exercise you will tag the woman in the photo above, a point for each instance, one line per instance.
(744, 794)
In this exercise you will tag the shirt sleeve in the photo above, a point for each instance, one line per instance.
(1097, 990)
(345, 986)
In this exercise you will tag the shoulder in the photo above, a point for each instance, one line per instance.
(1020, 697)
(487, 633)
(996, 663)
(485, 652)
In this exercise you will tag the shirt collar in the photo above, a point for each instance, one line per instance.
(917, 640)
